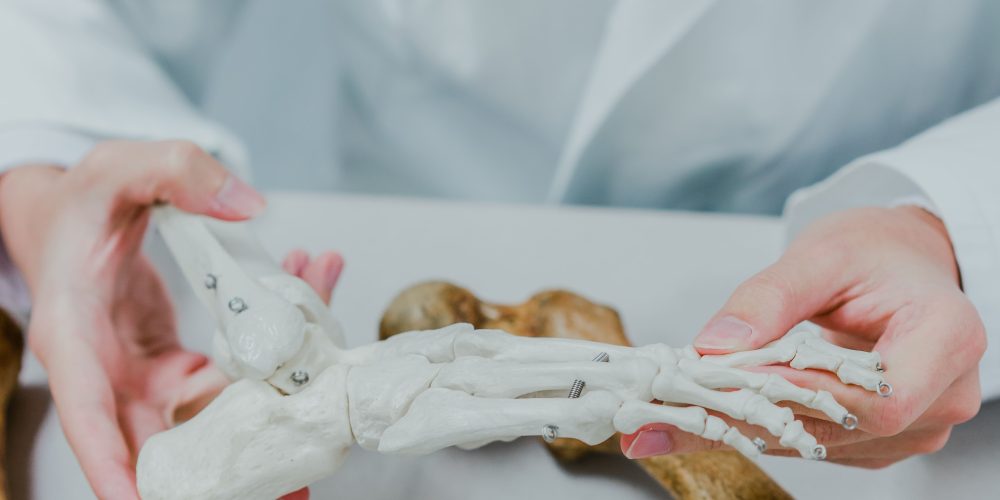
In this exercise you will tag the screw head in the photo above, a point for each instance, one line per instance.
(300, 377)
(237, 305)
(211, 281)
(760, 444)
(550, 433)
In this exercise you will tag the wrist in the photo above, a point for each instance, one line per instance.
(26, 199)
(932, 231)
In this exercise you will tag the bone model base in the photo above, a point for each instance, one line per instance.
(421, 391)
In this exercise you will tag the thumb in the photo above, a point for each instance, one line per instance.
(176, 172)
(769, 304)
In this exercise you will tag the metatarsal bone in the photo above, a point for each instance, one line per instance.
(500, 345)
(439, 418)
(504, 379)
(692, 419)
(372, 407)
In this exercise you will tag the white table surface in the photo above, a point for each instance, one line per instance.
(665, 272)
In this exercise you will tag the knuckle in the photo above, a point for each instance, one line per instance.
(183, 157)
(933, 444)
(963, 411)
(772, 286)
(893, 416)
(824, 432)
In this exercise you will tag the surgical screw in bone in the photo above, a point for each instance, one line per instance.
(577, 388)
(300, 377)
(884, 389)
(237, 305)
(550, 433)
(760, 444)
(211, 281)
(850, 422)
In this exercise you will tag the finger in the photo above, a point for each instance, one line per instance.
(85, 402)
(929, 344)
(302, 494)
(678, 441)
(323, 272)
(175, 172)
(193, 390)
(295, 262)
(769, 304)
(895, 448)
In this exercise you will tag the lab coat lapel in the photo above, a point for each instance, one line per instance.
(637, 35)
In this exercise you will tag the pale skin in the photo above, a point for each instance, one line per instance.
(874, 279)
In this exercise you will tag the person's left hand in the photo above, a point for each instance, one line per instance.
(102, 322)
(874, 279)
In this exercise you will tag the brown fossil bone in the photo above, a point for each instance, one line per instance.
(560, 313)
(11, 347)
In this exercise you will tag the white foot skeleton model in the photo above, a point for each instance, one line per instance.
(301, 400)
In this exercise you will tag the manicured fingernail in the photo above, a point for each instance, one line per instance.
(650, 443)
(726, 333)
(239, 198)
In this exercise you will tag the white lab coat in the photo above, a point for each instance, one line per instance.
(693, 104)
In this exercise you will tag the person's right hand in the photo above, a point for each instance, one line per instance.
(102, 323)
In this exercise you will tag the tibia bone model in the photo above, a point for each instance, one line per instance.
(301, 404)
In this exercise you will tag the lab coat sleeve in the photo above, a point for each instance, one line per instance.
(956, 166)
(76, 72)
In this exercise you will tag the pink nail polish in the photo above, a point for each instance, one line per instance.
(238, 198)
(650, 443)
(725, 333)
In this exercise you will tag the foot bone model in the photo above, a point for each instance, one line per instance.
(291, 421)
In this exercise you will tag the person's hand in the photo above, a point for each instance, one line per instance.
(874, 279)
(102, 323)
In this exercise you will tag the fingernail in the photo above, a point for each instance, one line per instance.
(239, 198)
(725, 333)
(650, 443)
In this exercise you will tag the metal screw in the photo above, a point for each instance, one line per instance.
(850, 422)
(237, 305)
(760, 444)
(884, 389)
(211, 281)
(300, 377)
(819, 452)
(550, 433)
(577, 388)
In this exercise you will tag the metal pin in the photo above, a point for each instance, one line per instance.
(550, 433)
(760, 444)
(819, 452)
(879, 368)
(237, 305)
(850, 422)
(300, 377)
(884, 389)
(577, 388)
(211, 281)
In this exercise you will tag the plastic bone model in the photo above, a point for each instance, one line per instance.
(302, 400)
